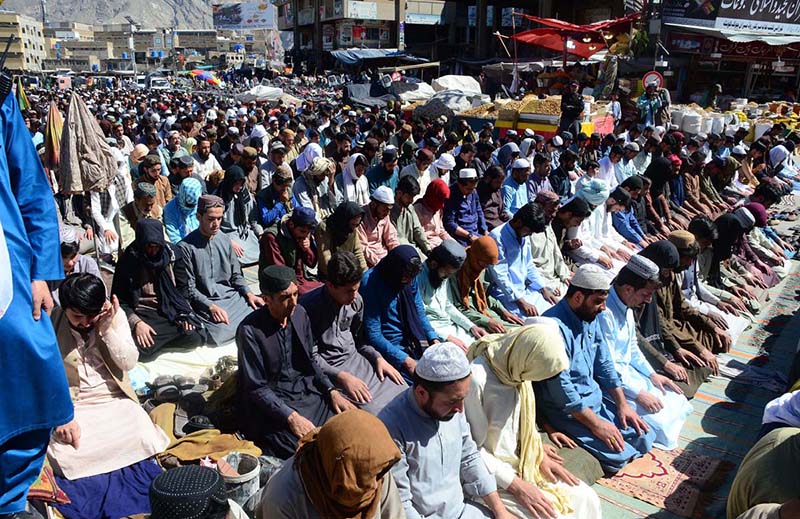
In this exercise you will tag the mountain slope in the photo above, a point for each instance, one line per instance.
(182, 14)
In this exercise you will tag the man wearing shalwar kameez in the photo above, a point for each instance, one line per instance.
(36, 396)
(344, 354)
(545, 250)
(444, 261)
(440, 467)
(655, 397)
(586, 401)
(282, 392)
(599, 243)
(209, 275)
(501, 411)
(515, 281)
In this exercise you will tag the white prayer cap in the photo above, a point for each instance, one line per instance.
(745, 217)
(558, 141)
(738, 150)
(383, 195)
(258, 131)
(591, 277)
(68, 235)
(521, 164)
(445, 162)
(467, 173)
(242, 111)
(512, 133)
(443, 362)
(211, 115)
(529, 133)
(643, 267)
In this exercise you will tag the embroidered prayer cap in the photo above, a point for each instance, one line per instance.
(443, 362)
(681, 239)
(643, 267)
(632, 146)
(445, 162)
(188, 492)
(467, 174)
(521, 164)
(389, 154)
(303, 216)
(384, 195)
(275, 278)
(144, 190)
(745, 217)
(528, 133)
(449, 252)
(206, 202)
(591, 277)
(739, 151)
(546, 197)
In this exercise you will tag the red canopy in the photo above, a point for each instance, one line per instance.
(581, 40)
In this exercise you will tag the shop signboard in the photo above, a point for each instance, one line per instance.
(776, 18)
(691, 43)
(328, 35)
(346, 34)
(363, 10)
(243, 15)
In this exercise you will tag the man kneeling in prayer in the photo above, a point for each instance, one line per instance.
(440, 466)
(656, 398)
(577, 401)
(501, 411)
(283, 393)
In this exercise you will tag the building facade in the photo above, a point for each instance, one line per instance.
(28, 51)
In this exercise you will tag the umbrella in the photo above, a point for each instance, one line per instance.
(86, 160)
(206, 76)
(52, 138)
(22, 99)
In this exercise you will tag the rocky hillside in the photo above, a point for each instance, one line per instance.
(182, 14)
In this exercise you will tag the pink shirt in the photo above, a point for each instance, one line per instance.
(432, 224)
(377, 237)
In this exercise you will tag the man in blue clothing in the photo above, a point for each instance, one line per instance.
(386, 173)
(35, 397)
(463, 215)
(625, 221)
(395, 323)
(515, 281)
(515, 189)
(587, 402)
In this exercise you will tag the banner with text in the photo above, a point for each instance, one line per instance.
(244, 15)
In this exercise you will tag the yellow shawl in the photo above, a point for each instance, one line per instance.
(528, 354)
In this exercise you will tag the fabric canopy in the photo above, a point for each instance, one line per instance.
(356, 56)
(738, 36)
(578, 40)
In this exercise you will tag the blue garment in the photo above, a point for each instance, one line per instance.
(176, 225)
(271, 210)
(515, 276)
(627, 225)
(120, 493)
(378, 176)
(677, 192)
(515, 195)
(382, 325)
(536, 184)
(21, 460)
(773, 236)
(465, 212)
(35, 394)
(591, 371)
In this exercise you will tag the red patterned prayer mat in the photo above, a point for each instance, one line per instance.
(677, 481)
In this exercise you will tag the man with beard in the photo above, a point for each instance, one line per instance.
(440, 463)
(682, 324)
(204, 162)
(561, 178)
(151, 173)
(490, 195)
(538, 180)
(571, 109)
(291, 243)
(483, 157)
(587, 401)
(545, 250)
(655, 397)
(442, 263)
(143, 206)
(685, 368)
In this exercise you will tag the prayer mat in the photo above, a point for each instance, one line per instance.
(677, 481)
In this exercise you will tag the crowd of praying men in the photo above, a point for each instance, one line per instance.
(522, 315)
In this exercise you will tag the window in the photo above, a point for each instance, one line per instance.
(372, 33)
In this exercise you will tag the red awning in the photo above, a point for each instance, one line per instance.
(581, 40)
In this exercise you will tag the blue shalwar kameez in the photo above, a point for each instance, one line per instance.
(591, 371)
(35, 396)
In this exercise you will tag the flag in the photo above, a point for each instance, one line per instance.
(22, 99)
